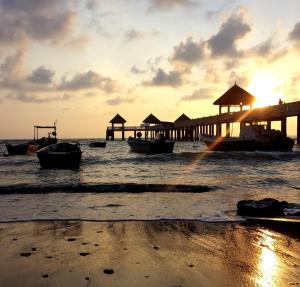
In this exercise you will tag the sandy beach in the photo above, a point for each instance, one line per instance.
(147, 253)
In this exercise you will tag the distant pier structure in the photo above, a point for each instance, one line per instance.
(238, 104)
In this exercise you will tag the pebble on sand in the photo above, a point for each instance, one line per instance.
(108, 271)
(84, 253)
(25, 254)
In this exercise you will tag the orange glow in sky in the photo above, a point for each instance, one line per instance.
(266, 88)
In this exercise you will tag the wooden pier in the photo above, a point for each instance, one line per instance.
(186, 129)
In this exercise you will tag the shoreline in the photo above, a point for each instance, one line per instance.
(146, 253)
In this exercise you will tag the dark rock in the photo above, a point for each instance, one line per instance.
(71, 239)
(45, 276)
(267, 207)
(84, 253)
(33, 249)
(108, 271)
(49, 257)
(25, 254)
(284, 204)
(156, 247)
(191, 265)
(96, 244)
(87, 278)
(84, 243)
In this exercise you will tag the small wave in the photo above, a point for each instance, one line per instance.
(196, 156)
(155, 219)
(101, 188)
(273, 181)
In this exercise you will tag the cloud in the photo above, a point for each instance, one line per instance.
(41, 75)
(264, 49)
(13, 76)
(294, 35)
(188, 52)
(136, 71)
(11, 70)
(31, 98)
(200, 94)
(88, 80)
(22, 21)
(78, 42)
(225, 41)
(90, 95)
(119, 100)
(242, 81)
(161, 78)
(268, 50)
(92, 4)
(167, 5)
(132, 35)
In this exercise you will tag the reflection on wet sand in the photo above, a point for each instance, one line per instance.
(162, 253)
(267, 266)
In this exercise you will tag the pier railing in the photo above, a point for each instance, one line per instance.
(270, 113)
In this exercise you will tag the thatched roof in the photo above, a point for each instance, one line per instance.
(151, 119)
(235, 96)
(118, 120)
(183, 117)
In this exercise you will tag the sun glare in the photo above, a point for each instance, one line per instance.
(266, 88)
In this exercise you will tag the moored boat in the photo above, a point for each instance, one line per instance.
(97, 144)
(160, 145)
(37, 143)
(60, 155)
(252, 138)
(21, 149)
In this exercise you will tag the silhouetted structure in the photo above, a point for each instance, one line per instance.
(184, 128)
(234, 97)
(116, 120)
(149, 122)
(182, 133)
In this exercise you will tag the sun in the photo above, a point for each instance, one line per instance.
(266, 88)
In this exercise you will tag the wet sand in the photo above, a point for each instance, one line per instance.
(160, 253)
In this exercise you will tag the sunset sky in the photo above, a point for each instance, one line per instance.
(81, 62)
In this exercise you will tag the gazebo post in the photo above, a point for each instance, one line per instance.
(123, 132)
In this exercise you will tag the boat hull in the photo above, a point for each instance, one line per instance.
(151, 147)
(97, 144)
(46, 142)
(21, 149)
(61, 160)
(227, 144)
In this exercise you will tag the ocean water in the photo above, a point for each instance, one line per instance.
(116, 184)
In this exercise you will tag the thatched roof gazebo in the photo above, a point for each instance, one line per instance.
(117, 119)
(182, 118)
(235, 97)
(151, 119)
